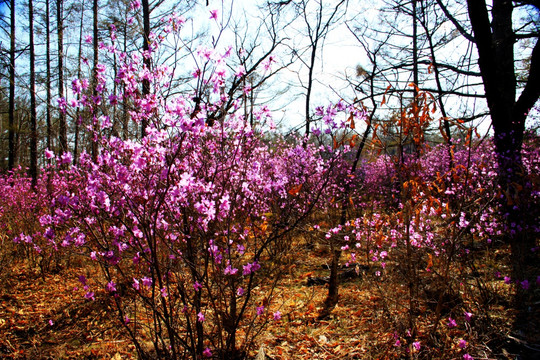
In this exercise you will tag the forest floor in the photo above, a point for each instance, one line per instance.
(45, 317)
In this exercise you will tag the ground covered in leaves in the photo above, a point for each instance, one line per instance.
(45, 316)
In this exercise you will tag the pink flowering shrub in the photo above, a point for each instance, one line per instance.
(21, 207)
(185, 221)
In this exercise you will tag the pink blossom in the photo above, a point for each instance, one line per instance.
(200, 317)
(229, 270)
(135, 5)
(462, 344)
(146, 281)
(451, 323)
(240, 71)
(66, 158)
(110, 287)
(207, 352)
(417, 345)
(277, 315)
(136, 285)
(467, 357)
(214, 14)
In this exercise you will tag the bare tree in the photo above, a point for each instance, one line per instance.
(11, 114)
(33, 112)
(495, 34)
(62, 125)
(419, 47)
(48, 74)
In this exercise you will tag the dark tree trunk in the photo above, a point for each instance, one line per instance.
(95, 78)
(415, 50)
(62, 126)
(495, 43)
(48, 75)
(78, 111)
(33, 114)
(333, 284)
(147, 63)
(11, 112)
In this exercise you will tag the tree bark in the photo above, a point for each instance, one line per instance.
(48, 75)
(95, 79)
(62, 126)
(147, 63)
(33, 113)
(78, 111)
(11, 112)
(495, 41)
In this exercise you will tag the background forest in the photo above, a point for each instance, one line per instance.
(280, 179)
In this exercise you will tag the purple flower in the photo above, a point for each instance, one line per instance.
(277, 315)
(525, 284)
(468, 316)
(197, 286)
(136, 4)
(467, 357)
(207, 352)
(240, 291)
(164, 292)
(200, 317)
(146, 281)
(229, 270)
(111, 286)
(417, 345)
(462, 344)
(507, 280)
(247, 269)
(260, 310)
(451, 323)
(240, 248)
(213, 14)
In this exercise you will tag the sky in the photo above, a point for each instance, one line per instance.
(338, 56)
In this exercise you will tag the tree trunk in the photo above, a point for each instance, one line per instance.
(146, 48)
(33, 114)
(62, 126)
(494, 40)
(48, 75)
(78, 111)
(11, 112)
(95, 80)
